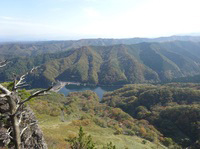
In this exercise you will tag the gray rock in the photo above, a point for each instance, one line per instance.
(32, 137)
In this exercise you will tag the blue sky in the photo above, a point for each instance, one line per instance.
(75, 19)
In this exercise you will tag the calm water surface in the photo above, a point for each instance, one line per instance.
(97, 89)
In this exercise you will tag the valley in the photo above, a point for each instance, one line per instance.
(99, 74)
(113, 65)
(123, 95)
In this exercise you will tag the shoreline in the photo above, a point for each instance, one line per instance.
(60, 84)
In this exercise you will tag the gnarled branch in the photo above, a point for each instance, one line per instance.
(21, 82)
(37, 93)
(4, 90)
(15, 104)
(3, 63)
(27, 127)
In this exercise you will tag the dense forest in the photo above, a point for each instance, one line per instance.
(172, 109)
(115, 64)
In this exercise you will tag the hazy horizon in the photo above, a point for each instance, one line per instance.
(32, 39)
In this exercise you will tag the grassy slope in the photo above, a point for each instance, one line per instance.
(55, 132)
(48, 109)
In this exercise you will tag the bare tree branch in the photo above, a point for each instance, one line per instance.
(3, 96)
(34, 68)
(6, 135)
(27, 127)
(20, 86)
(4, 90)
(4, 63)
(20, 118)
(37, 93)
(21, 82)
(23, 130)
(9, 132)
(28, 138)
(14, 100)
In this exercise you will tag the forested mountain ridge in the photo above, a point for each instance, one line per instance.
(116, 64)
(8, 49)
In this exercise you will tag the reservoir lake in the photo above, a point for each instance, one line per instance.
(99, 90)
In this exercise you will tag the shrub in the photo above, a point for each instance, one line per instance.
(83, 122)
(168, 141)
(109, 146)
(144, 141)
(82, 141)
(118, 130)
(100, 122)
(129, 132)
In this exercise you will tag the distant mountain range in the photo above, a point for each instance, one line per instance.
(34, 48)
(145, 62)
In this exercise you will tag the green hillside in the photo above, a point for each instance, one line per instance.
(173, 109)
(116, 64)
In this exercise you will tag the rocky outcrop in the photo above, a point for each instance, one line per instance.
(32, 137)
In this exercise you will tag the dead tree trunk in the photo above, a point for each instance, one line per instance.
(15, 106)
(14, 122)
